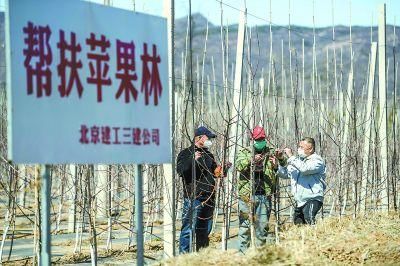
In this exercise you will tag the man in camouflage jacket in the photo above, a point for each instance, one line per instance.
(256, 184)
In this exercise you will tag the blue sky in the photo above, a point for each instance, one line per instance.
(363, 12)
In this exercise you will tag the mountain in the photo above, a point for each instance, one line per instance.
(259, 47)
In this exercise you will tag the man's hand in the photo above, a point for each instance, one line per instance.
(279, 154)
(228, 165)
(218, 172)
(197, 155)
(274, 162)
(222, 171)
(288, 152)
(259, 162)
(258, 158)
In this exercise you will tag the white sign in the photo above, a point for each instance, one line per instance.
(87, 84)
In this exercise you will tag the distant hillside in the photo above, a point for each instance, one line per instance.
(260, 43)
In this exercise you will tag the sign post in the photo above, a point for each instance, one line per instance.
(45, 192)
(139, 215)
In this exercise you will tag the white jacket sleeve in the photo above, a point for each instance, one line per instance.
(307, 167)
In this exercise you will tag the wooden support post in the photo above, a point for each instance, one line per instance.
(234, 120)
(382, 112)
(367, 130)
(169, 169)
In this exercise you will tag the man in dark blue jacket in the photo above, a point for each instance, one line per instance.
(197, 167)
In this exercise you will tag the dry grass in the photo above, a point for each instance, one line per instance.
(119, 253)
(374, 240)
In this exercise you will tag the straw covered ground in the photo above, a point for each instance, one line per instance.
(371, 240)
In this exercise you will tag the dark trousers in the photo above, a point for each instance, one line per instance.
(306, 213)
(197, 217)
(261, 213)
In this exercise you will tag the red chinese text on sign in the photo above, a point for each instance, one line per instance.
(98, 65)
(155, 136)
(84, 132)
(126, 70)
(129, 136)
(151, 83)
(38, 58)
(73, 64)
(106, 135)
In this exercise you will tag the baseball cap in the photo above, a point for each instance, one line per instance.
(204, 131)
(258, 133)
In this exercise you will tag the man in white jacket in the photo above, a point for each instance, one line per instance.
(307, 173)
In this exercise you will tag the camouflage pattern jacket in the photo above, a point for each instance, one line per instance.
(264, 174)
